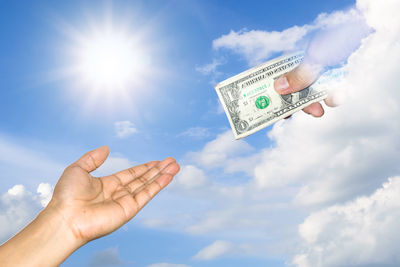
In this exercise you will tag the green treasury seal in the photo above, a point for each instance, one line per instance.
(262, 102)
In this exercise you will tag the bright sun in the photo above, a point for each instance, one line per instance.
(108, 61)
(108, 58)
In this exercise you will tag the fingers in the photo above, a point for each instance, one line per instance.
(330, 102)
(93, 159)
(297, 79)
(315, 109)
(140, 191)
(153, 173)
(144, 193)
(128, 175)
(334, 99)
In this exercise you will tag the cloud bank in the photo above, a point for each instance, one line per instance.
(330, 38)
(361, 232)
(19, 206)
(314, 195)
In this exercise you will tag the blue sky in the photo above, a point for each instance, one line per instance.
(36, 107)
(48, 118)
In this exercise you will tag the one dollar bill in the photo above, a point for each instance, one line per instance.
(251, 102)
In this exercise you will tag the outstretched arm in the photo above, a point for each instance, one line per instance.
(84, 208)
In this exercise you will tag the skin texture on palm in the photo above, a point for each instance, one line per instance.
(94, 207)
(84, 208)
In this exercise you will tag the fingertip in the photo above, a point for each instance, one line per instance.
(101, 149)
(101, 153)
(169, 160)
(172, 168)
(315, 109)
(93, 159)
(105, 148)
(318, 112)
(334, 99)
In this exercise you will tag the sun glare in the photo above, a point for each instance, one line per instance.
(107, 57)
(108, 60)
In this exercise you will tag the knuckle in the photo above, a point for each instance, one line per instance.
(148, 192)
(298, 81)
(142, 180)
(132, 172)
(300, 78)
(91, 162)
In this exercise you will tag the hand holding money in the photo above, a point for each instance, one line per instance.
(258, 97)
(296, 80)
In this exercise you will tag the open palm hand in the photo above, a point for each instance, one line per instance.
(93, 207)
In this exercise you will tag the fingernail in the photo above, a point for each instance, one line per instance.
(282, 84)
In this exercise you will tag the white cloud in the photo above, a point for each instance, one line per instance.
(106, 258)
(354, 147)
(256, 45)
(221, 248)
(196, 132)
(362, 232)
(167, 265)
(18, 206)
(215, 250)
(190, 177)
(381, 17)
(210, 68)
(124, 129)
(364, 150)
(45, 192)
(216, 152)
(317, 164)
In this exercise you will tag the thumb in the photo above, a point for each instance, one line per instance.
(93, 159)
(297, 79)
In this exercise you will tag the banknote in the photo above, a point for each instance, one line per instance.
(251, 102)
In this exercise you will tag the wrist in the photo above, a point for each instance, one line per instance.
(58, 220)
(46, 241)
